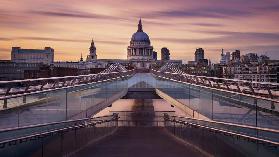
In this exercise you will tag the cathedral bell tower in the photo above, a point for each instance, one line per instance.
(92, 52)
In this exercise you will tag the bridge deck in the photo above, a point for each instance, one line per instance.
(139, 142)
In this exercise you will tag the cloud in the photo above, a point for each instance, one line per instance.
(111, 42)
(246, 35)
(268, 8)
(208, 24)
(182, 24)
(19, 20)
(50, 39)
(226, 37)
(179, 24)
(5, 39)
(203, 12)
(189, 41)
(67, 40)
(74, 14)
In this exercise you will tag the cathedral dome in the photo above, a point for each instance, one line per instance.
(140, 36)
(140, 48)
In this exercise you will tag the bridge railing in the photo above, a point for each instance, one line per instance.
(18, 87)
(265, 134)
(57, 139)
(221, 104)
(254, 88)
(224, 139)
(63, 103)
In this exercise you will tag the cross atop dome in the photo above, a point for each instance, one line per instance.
(140, 26)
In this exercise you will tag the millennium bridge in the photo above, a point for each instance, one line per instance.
(172, 114)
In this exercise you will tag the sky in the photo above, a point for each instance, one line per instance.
(68, 26)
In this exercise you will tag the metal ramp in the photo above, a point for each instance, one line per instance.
(108, 136)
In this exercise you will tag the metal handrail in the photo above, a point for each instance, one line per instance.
(222, 90)
(231, 124)
(17, 87)
(242, 86)
(113, 117)
(167, 118)
(226, 79)
(44, 79)
(53, 89)
(230, 133)
(52, 78)
(51, 123)
(52, 131)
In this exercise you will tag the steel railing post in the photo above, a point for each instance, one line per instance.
(66, 105)
(18, 113)
(42, 146)
(256, 105)
(75, 145)
(61, 143)
(189, 95)
(212, 102)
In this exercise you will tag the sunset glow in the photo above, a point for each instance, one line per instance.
(181, 25)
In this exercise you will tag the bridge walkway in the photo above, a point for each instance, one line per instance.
(139, 142)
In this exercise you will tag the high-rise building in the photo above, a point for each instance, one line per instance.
(236, 56)
(222, 60)
(228, 57)
(45, 56)
(225, 58)
(165, 54)
(154, 55)
(92, 52)
(199, 55)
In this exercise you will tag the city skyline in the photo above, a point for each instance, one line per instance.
(68, 27)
